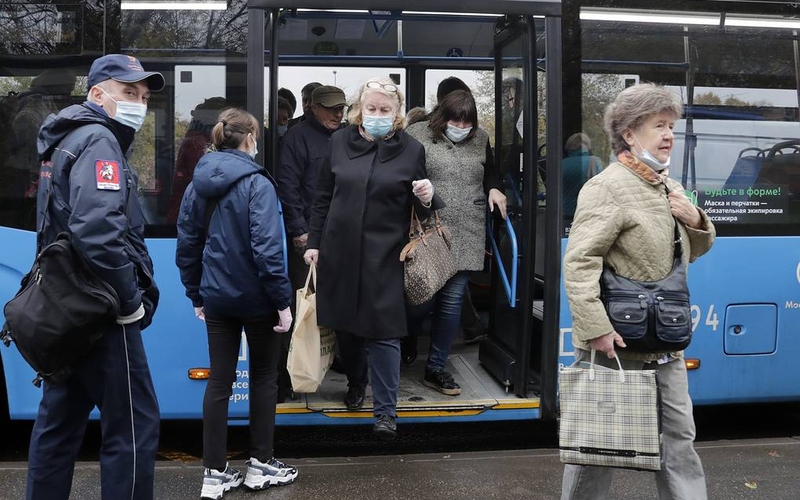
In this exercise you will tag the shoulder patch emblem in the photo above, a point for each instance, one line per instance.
(107, 175)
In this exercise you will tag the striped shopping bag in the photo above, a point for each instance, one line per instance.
(609, 417)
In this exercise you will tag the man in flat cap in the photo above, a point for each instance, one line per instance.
(303, 150)
(88, 190)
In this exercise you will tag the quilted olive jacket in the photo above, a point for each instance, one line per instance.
(623, 219)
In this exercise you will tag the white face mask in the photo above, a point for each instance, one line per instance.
(651, 161)
(457, 134)
(255, 149)
(129, 114)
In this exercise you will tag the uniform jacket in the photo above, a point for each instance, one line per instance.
(303, 150)
(94, 198)
(359, 223)
(462, 174)
(623, 219)
(236, 267)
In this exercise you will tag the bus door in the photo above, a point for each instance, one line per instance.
(520, 350)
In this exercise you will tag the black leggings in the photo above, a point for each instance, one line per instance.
(224, 341)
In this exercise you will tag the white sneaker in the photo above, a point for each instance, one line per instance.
(272, 473)
(216, 483)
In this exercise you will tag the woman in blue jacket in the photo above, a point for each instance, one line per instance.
(230, 256)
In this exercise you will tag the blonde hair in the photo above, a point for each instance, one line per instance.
(633, 106)
(354, 115)
(233, 125)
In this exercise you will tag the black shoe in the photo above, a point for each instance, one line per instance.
(442, 381)
(408, 349)
(354, 399)
(474, 333)
(385, 427)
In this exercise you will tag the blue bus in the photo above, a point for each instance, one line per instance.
(541, 70)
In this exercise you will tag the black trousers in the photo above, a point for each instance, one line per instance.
(224, 340)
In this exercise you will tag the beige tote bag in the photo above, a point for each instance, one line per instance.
(312, 347)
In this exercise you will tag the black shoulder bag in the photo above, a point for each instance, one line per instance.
(652, 316)
(60, 311)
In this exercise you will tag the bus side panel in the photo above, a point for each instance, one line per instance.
(16, 257)
(737, 271)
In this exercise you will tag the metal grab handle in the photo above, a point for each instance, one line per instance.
(511, 288)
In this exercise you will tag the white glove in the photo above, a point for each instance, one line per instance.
(131, 318)
(311, 256)
(200, 312)
(423, 190)
(284, 321)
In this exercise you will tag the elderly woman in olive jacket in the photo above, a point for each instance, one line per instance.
(625, 219)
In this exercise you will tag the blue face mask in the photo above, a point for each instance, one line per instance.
(378, 126)
(282, 130)
(129, 113)
(456, 134)
(254, 152)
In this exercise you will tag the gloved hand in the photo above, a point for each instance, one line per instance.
(200, 312)
(284, 321)
(423, 189)
(131, 318)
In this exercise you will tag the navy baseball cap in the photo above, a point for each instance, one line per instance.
(125, 69)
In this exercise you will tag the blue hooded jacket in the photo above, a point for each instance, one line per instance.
(236, 267)
(102, 216)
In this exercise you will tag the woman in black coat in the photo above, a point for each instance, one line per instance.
(373, 174)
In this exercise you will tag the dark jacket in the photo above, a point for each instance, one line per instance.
(359, 223)
(94, 198)
(302, 151)
(236, 267)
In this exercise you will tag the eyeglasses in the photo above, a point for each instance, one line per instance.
(388, 87)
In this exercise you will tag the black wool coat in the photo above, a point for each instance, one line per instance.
(359, 223)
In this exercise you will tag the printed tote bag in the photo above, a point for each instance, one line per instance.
(610, 417)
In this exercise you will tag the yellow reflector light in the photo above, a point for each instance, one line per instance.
(692, 364)
(199, 373)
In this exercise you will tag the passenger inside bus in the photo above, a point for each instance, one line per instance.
(193, 146)
(302, 151)
(459, 162)
(305, 96)
(359, 224)
(577, 167)
(23, 114)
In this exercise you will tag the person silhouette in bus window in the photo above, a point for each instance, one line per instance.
(22, 115)
(193, 146)
(305, 96)
(290, 99)
(577, 167)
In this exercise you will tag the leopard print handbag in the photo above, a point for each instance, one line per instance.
(427, 259)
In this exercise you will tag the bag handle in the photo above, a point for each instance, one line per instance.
(619, 363)
(312, 275)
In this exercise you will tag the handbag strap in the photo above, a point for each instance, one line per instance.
(678, 250)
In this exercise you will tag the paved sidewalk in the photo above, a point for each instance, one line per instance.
(763, 469)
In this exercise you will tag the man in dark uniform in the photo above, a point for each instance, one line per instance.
(303, 150)
(88, 190)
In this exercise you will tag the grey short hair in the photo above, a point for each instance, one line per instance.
(578, 141)
(633, 106)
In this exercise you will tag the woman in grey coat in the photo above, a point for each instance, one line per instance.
(462, 169)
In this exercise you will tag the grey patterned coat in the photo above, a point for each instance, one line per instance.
(461, 174)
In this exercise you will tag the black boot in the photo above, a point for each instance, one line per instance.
(408, 349)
